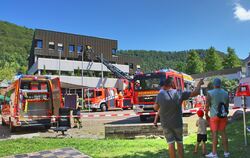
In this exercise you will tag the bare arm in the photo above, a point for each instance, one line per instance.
(156, 107)
(207, 106)
(208, 103)
(197, 89)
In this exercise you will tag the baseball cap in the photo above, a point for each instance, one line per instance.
(200, 113)
(161, 83)
(217, 82)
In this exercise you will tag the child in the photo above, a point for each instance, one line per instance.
(202, 125)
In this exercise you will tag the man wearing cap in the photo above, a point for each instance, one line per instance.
(169, 101)
(214, 98)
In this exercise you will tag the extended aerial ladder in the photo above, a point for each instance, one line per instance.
(127, 96)
(116, 71)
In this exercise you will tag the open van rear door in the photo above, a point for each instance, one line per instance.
(56, 95)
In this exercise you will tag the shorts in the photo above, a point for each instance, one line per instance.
(218, 124)
(201, 137)
(173, 135)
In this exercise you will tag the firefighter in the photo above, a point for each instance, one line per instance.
(120, 99)
(77, 114)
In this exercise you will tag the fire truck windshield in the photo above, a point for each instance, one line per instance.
(148, 82)
(90, 94)
(34, 85)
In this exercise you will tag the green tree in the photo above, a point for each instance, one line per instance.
(194, 63)
(212, 60)
(7, 72)
(78, 72)
(44, 70)
(232, 59)
(181, 66)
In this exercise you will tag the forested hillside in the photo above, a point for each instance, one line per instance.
(15, 43)
(155, 60)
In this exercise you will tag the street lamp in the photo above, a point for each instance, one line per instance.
(82, 49)
(102, 70)
(60, 49)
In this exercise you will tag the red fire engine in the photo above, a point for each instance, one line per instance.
(123, 102)
(103, 98)
(31, 101)
(146, 88)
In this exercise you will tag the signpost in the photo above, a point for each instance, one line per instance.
(88, 100)
(243, 98)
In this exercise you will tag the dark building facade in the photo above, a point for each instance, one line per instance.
(48, 44)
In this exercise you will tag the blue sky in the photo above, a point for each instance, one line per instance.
(142, 24)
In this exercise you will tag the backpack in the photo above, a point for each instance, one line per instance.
(222, 110)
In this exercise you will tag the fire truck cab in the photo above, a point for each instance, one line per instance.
(103, 99)
(147, 86)
(31, 101)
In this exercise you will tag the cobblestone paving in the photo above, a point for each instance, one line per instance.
(58, 153)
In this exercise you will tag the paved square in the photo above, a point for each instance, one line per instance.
(58, 153)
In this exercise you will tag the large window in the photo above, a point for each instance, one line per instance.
(51, 45)
(71, 48)
(98, 93)
(60, 47)
(38, 43)
(79, 49)
(114, 51)
(90, 94)
(131, 65)
(179, 84)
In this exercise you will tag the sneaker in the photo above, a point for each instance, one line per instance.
(211, 155)
(226, 154)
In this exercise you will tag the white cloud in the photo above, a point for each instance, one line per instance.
(241, 13)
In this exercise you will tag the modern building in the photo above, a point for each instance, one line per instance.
(72, 58)
(246, 72)
(231, 74)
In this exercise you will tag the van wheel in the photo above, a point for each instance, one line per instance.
(12, 128)
(143, 118)
(3, 122)
(103, 107)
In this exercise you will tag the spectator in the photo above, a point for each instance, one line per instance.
(202, 124)
(170, 102)
(215, 98)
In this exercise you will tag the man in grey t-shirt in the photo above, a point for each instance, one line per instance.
(169, 101)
